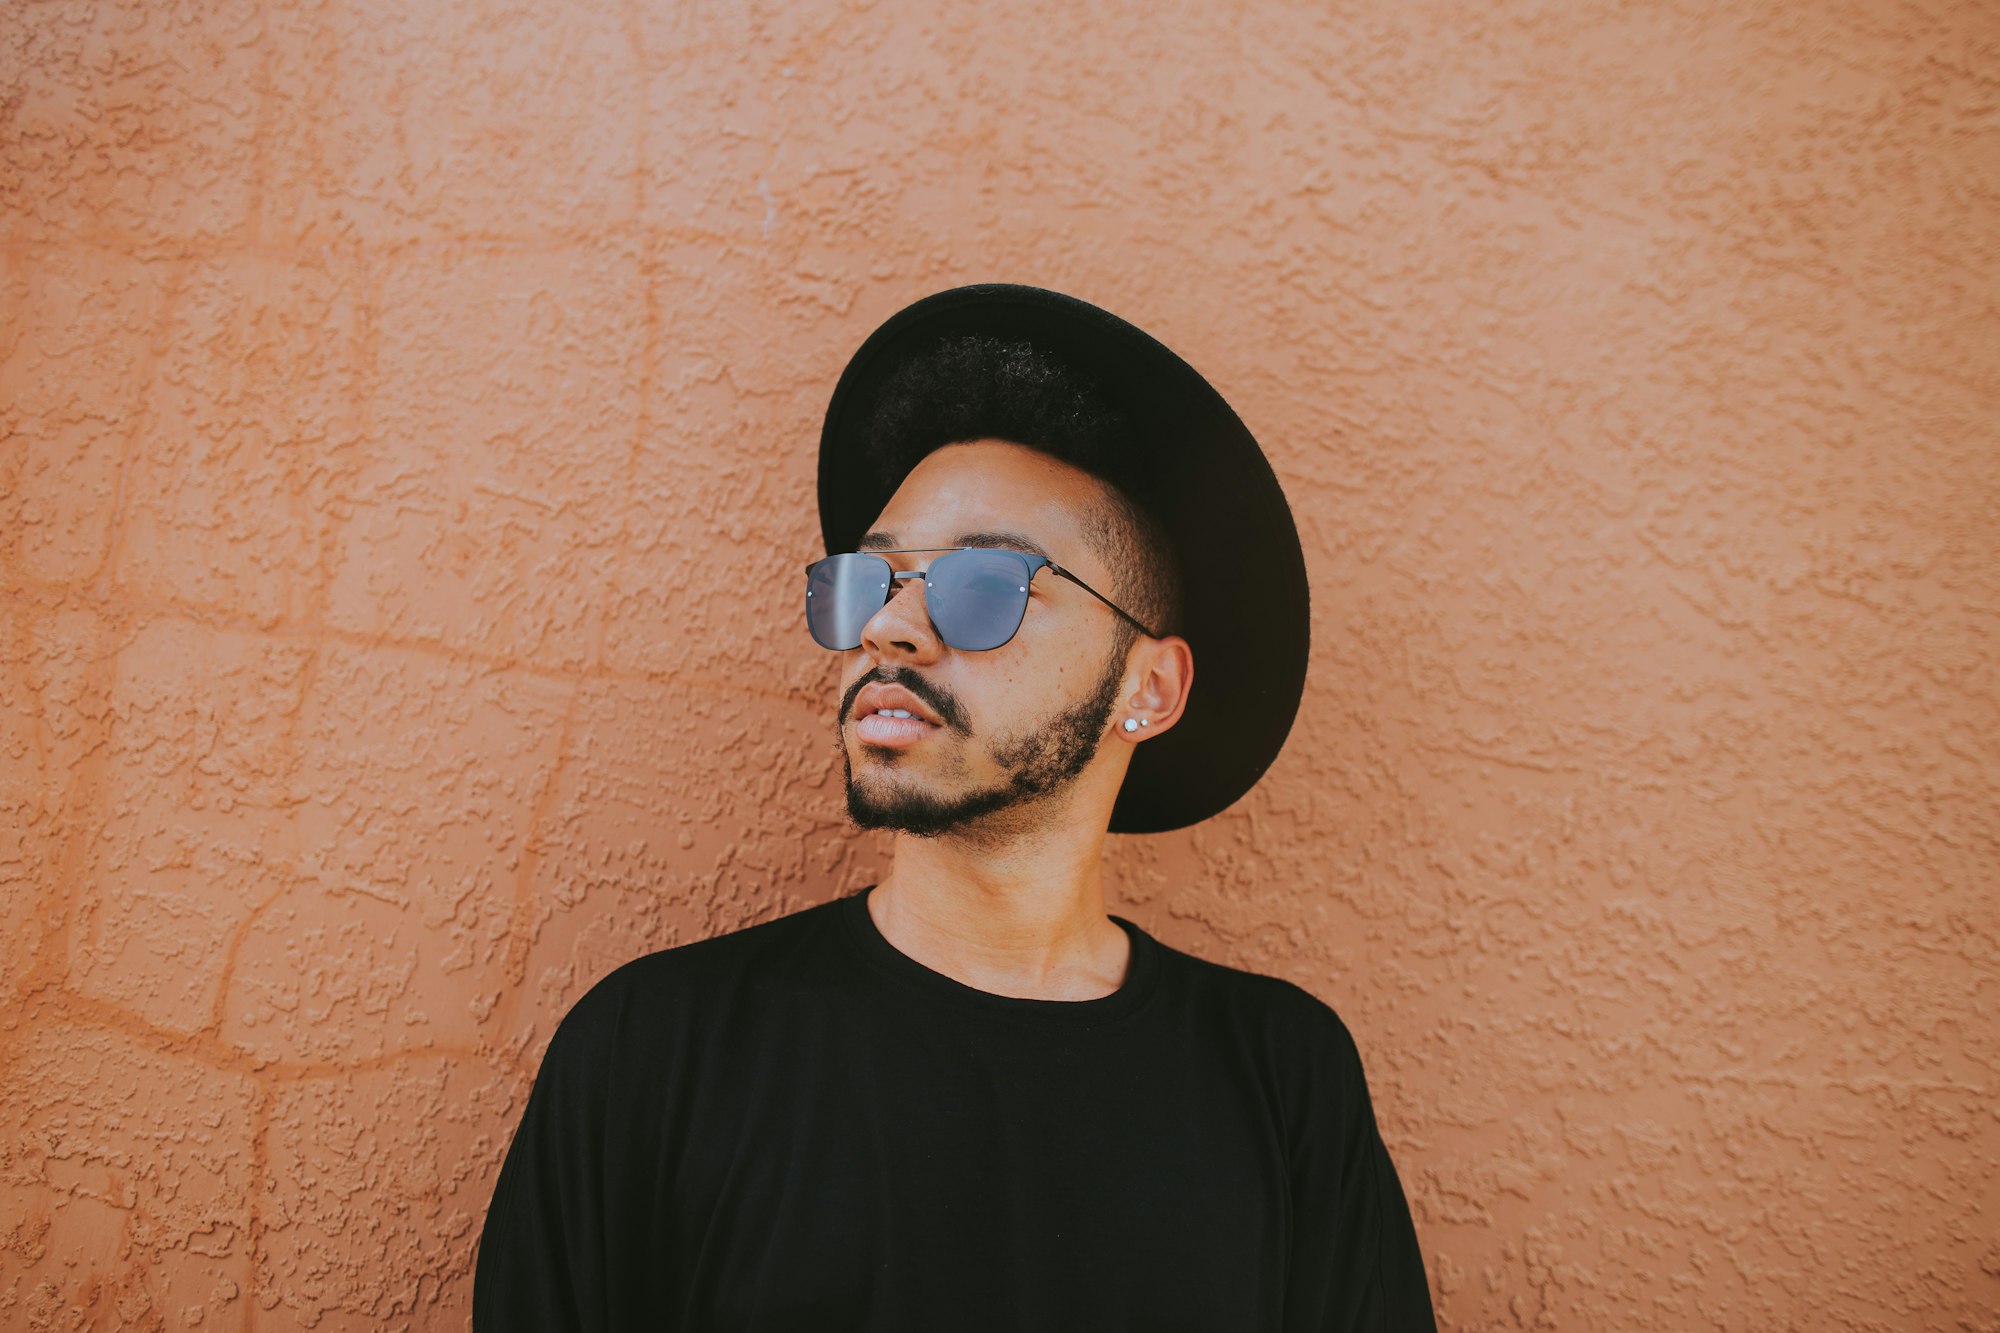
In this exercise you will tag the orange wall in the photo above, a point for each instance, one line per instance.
(407, 418)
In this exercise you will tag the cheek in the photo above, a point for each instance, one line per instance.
(1054, 664)
(1029, 685)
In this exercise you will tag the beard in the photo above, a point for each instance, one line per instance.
(1036, 765)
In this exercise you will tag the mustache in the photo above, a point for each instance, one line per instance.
(942, 702)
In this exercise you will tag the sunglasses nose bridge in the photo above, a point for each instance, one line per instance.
(897, 577)
(909, 621)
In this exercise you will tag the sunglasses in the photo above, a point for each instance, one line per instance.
(976, 595)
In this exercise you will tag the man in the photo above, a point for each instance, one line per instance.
(968, 1098)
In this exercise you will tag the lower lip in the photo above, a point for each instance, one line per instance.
(894, 732)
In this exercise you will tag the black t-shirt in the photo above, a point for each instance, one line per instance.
(798, 1127)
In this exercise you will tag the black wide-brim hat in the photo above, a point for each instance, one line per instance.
(1245, 611)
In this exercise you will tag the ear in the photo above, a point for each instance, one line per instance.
(1158, 675)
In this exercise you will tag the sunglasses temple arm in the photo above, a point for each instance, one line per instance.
(1129, 617)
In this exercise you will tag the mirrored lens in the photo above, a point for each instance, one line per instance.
(976, 598)
(842, 592)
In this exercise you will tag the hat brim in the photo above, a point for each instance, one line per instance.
(1245, 604)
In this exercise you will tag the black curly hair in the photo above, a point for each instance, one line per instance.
(982, 388)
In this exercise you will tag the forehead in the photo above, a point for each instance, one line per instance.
(991, 487)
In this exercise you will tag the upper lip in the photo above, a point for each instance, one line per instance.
(873, 697)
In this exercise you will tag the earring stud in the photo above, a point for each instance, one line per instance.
(1134, 723)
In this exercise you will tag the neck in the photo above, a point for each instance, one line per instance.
(1022, 917)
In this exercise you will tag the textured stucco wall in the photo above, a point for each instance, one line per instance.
(406, 427)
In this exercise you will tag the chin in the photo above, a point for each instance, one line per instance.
(873, 803)
(929, 813)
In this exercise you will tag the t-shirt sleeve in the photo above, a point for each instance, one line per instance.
(541, 1258)
(1355, 1266)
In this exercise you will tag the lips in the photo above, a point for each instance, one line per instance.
(894, 732)
(879, 698)
(889, 715)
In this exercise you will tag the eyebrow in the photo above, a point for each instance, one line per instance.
(1009, 541)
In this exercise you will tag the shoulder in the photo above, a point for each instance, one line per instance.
(660, 990)
(1295, 1035)
(1303, 1053)
(1272, 1001)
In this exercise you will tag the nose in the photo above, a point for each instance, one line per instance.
(902, 629)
